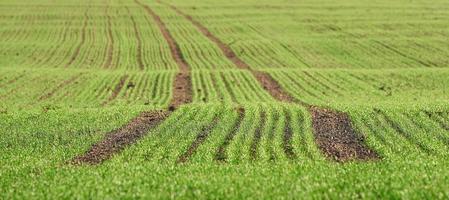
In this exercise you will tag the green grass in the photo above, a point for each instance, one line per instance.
(384, 63)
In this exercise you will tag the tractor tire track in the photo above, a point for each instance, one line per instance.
(341, 144)
(337, 139)
(117, 140)
(182, 87)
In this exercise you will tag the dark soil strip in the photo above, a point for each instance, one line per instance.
(265, 79)
(182, 87)
(257, 136)
(200, 138)
(110, 50)
(83, 39)
(182, 90)
(60, 86)
(116, 90)
(402, 132)
(139, 41)
(273, 87)
(287, 139)
(336, 137)
(117, 140)
(221, 152)
(336, 140)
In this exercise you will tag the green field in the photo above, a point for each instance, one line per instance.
(74, 72)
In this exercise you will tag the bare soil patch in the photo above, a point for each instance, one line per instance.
(117, 140)
(182, 90)
(336, 138)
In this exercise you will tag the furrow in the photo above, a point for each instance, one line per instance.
(222, 149)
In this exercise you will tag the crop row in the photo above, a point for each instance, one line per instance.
(365, 87)
(279, 133)
(338, 87)
(111, 36)
(341, 35)
(82, 89)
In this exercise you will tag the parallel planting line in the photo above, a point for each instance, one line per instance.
(323, 119)
(265, 79)
(200, 138)
(258, 136)
(116, 90)
(83, 39)
(117, 140)
(221, 152)
(402, 132)
(182, 87)
(139, 41)
(288, 134)
(110, 48)
(59, 87)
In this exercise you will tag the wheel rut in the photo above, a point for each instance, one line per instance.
(115, 141)
(333, 131)
(182, 86)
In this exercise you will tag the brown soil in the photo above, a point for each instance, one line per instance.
(273, 87)
(221, 153)
(60, 86)
(116, 90)
(182, 90)
(336, 138)
(257, 136)
(182, 87)
(83, 38)
(117, 140)
(287, 140)
(333, 131)
(200, 138)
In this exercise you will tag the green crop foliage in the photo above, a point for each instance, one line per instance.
(72, 71)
